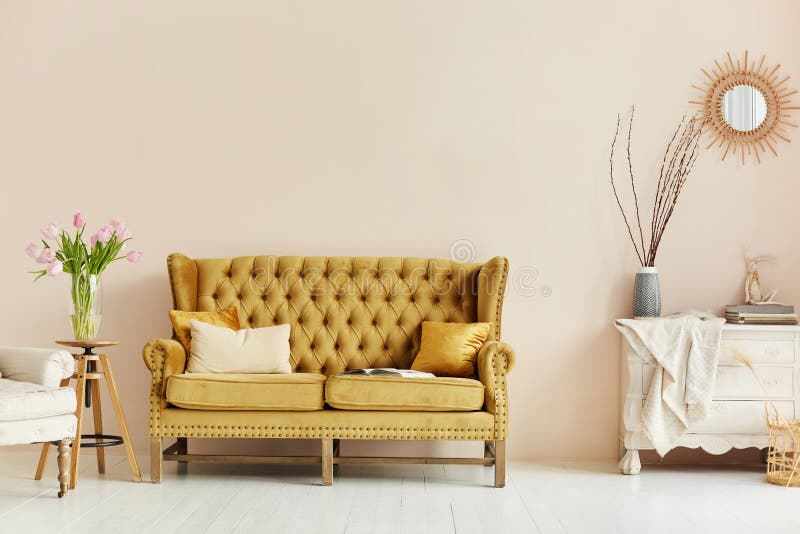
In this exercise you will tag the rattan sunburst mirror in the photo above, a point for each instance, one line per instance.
(746, 107)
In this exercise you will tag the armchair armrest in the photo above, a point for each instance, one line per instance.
(495, 360)
(47, 367)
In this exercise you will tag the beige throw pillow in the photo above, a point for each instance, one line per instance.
(216, 349)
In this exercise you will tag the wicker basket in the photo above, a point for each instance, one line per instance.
(783, 458)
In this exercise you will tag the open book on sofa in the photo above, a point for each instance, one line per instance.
(390, 371)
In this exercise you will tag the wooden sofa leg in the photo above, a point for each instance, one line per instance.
(182, 448)
(327, 462)
(156, 459)
(336, 451)
(500, 463)
(63, 466)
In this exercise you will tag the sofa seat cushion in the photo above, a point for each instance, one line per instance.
(25, 400)
(212, 391)
(348, 392)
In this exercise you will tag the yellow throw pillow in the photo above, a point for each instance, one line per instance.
(450, 349)
(229, 318)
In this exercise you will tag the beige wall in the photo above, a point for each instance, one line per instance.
(386, 128)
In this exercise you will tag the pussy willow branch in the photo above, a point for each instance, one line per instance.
(633, 183)
(676, 165)
(669, 184)
(679, 163)
(616, 195)
(658, 200)
(689, 150)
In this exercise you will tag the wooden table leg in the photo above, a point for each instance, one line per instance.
(42, 460)
(98, 425)
(80, 391)
(123, 426)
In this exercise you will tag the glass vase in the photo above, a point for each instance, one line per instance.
(85, 305)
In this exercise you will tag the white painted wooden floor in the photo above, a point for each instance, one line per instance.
(567, 497)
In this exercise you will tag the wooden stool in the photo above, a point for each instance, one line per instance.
(89, 395)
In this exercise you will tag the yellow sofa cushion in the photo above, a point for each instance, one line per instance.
(229, 318)
(450, 349)
(210, 391)
(347, 392)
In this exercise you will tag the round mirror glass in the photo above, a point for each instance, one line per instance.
(744, 108)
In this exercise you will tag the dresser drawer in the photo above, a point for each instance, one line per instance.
(738, 381)
(740, 417)
(757, 350)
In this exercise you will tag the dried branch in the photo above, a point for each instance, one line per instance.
(676, 165)
(683, 159)
(633, 183)
(657, 203)
(640, 256)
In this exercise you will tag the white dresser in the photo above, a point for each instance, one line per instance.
(737, 418)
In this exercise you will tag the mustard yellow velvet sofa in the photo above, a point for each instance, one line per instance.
(345, 313)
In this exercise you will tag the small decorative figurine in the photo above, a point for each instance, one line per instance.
(753, 292)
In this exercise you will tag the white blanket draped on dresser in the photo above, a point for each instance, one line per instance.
(685, 348)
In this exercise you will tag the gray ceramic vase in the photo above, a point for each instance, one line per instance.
(646, 293)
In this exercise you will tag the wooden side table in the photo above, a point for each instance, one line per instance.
(88, 391)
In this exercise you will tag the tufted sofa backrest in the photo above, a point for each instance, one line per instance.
(345, 313)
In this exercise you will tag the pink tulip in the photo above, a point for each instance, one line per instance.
(126, 234)
(117, 227)
(33, 251)
(105, 234)
(102, 235)
(55, 268)
(78, 221)
(134, 256)
(51, 231)
(48, 255)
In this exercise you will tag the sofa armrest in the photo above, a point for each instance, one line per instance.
(164, 358)
(47, 367)
(495, 360)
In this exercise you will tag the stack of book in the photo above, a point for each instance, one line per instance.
(760, 314)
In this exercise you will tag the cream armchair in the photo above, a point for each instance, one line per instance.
(34, 407)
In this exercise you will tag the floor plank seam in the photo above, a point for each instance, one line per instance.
(158, 519)
(42, 492)
(512, 483)
(102, 500)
